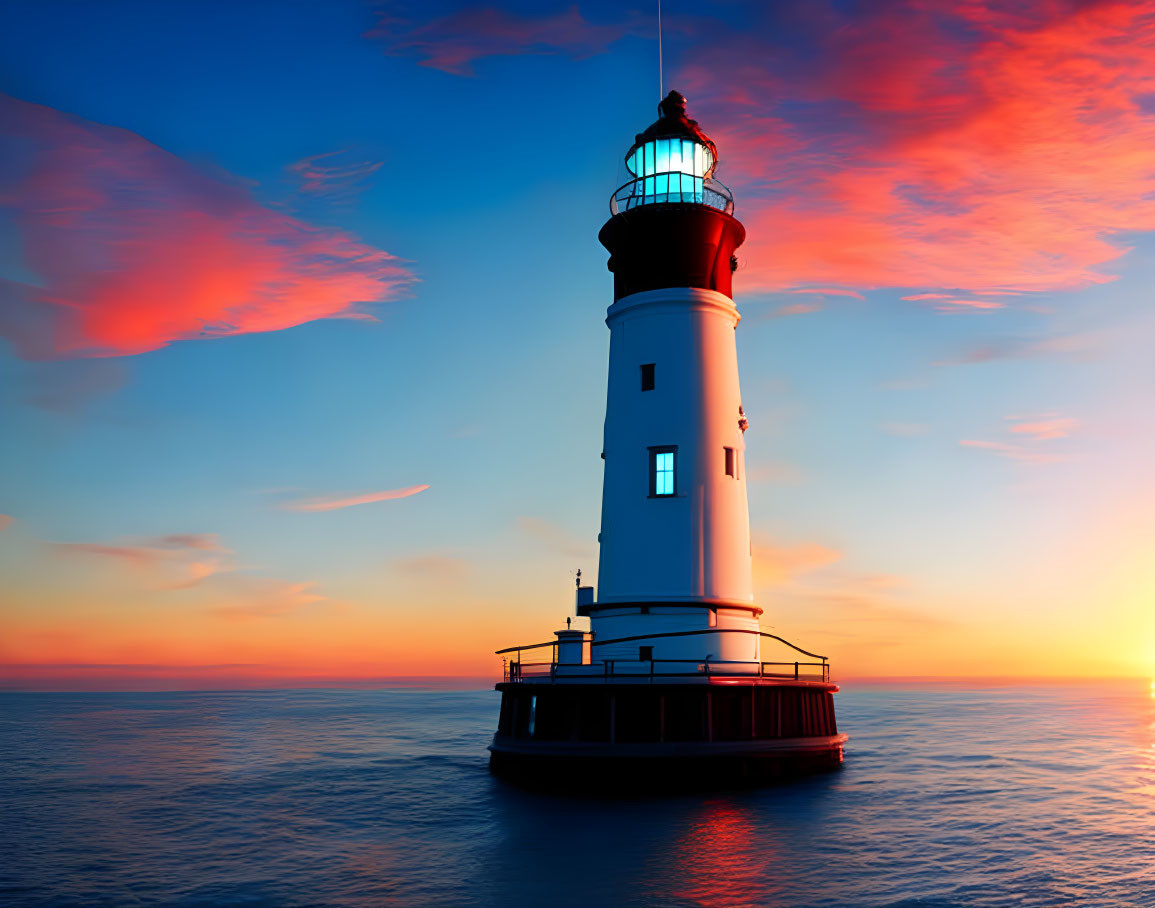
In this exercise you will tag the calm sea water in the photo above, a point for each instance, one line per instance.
(949, 796)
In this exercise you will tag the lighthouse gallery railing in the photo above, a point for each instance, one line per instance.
(672, 188)
(516, 670)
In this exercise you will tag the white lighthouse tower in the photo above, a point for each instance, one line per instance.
(675, 535)
(671, 674)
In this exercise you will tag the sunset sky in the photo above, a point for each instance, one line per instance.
(303, 366)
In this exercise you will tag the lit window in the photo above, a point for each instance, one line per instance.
(648, 376)
(729, 461)
(662, 471)
(669, 170)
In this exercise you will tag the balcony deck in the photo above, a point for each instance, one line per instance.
(816, 669)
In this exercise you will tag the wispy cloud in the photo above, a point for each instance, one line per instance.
(455, 42)
(6, 520)
(177, 561)
(330, 503)
(132, 248)
(253, 597)
(163, 566)
(336, 175)
(1043, 427)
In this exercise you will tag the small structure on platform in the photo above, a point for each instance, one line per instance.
(672, 675)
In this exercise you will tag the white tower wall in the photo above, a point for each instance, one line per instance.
(695, 545)
(692, 549)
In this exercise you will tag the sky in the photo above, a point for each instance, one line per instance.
(303, 355)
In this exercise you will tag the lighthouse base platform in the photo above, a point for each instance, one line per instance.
(631, 736)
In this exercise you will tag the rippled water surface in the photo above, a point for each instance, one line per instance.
(949, 796)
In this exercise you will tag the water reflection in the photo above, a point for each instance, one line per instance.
(725, 856)
(950, 795)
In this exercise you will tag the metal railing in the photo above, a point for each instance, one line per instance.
(661, 669)
(617, 669)
(673, 188)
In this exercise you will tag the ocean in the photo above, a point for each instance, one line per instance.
(951, 794)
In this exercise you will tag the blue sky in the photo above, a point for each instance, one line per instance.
(484, 377)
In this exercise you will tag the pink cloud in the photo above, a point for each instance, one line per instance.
(1044, 428)
(6, 521)
(133, 248)
(928, 296)
(455, 42)
(996, 147)
(333, 504)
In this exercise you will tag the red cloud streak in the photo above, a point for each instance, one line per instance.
(132, 248)
(986, 146)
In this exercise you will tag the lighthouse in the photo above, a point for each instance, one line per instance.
(672, 673)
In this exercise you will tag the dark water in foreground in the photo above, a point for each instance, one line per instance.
(949, 796)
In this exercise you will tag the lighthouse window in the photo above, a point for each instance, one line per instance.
(648, 377)
(729, 461)
(662, 471)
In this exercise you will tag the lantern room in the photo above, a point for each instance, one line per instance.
(672, 162)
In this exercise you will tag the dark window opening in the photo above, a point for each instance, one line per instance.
(646, 653)
(648, 376)
(663, 464)
(730, 471)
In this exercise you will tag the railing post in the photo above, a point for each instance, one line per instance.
(795, 671)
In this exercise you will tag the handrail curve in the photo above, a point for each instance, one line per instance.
(709, 630)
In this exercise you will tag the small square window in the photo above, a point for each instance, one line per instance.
(730, 471)
(648, 376)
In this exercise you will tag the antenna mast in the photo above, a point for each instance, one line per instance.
(661, 81)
